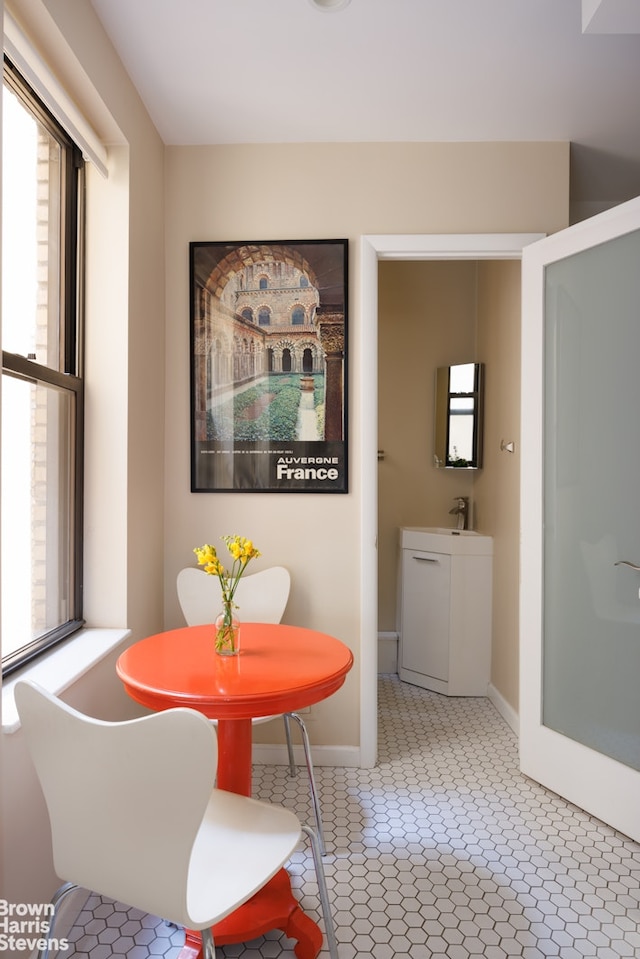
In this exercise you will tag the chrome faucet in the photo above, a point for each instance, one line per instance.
(461, 510)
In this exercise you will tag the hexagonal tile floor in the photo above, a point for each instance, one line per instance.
(443, 851)
(105, 929)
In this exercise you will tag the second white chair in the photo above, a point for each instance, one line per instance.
(261, 598)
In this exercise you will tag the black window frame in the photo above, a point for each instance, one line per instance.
(69, 378)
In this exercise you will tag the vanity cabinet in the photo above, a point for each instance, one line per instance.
(445, 610)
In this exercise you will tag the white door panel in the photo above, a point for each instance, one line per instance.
(580, 516)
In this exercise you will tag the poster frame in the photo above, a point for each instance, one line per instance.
(268, 318)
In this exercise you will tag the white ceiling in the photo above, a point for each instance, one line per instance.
(252, 71)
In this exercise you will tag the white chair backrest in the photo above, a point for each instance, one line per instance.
(260, 597)
(122, 822)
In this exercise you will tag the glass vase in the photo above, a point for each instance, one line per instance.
(227, 637)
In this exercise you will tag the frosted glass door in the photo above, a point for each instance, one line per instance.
(591, 628)
(580, 689)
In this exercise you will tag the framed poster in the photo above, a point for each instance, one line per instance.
(269, 366)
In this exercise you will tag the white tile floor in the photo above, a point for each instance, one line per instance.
(443, 851)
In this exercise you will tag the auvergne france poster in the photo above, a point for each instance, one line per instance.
(269, 366)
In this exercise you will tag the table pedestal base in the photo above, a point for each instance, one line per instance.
(273, 907)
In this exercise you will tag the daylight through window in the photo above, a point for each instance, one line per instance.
(42, 396)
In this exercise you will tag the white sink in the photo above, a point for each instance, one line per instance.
(445, 530)
(442, 539)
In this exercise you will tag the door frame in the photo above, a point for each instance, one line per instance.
(375, 247)
(579, 774)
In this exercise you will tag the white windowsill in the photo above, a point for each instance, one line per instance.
(57, 669)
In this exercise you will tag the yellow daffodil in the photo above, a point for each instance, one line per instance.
(242, 552)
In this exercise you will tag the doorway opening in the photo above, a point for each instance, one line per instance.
(374, 249)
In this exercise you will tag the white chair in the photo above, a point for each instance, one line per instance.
(261, 598)
(135, 815)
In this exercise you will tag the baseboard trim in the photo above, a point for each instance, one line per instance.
(387, 652)
(267, 754)
(507, 711)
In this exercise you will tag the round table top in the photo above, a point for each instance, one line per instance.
(279, 669)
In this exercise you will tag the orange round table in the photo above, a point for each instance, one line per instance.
(279, 669)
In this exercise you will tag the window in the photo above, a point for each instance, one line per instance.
(42, 390)
(297, 316)
(264, 316)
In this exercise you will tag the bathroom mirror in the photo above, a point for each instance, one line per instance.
(458, 420)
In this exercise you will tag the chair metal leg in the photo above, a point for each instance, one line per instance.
(322, 889)
(293, 769)
(208, 947)
(59, 895)
(315, 801)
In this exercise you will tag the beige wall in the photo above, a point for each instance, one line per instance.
(318, 191)
(497, 486)
(426, 319)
